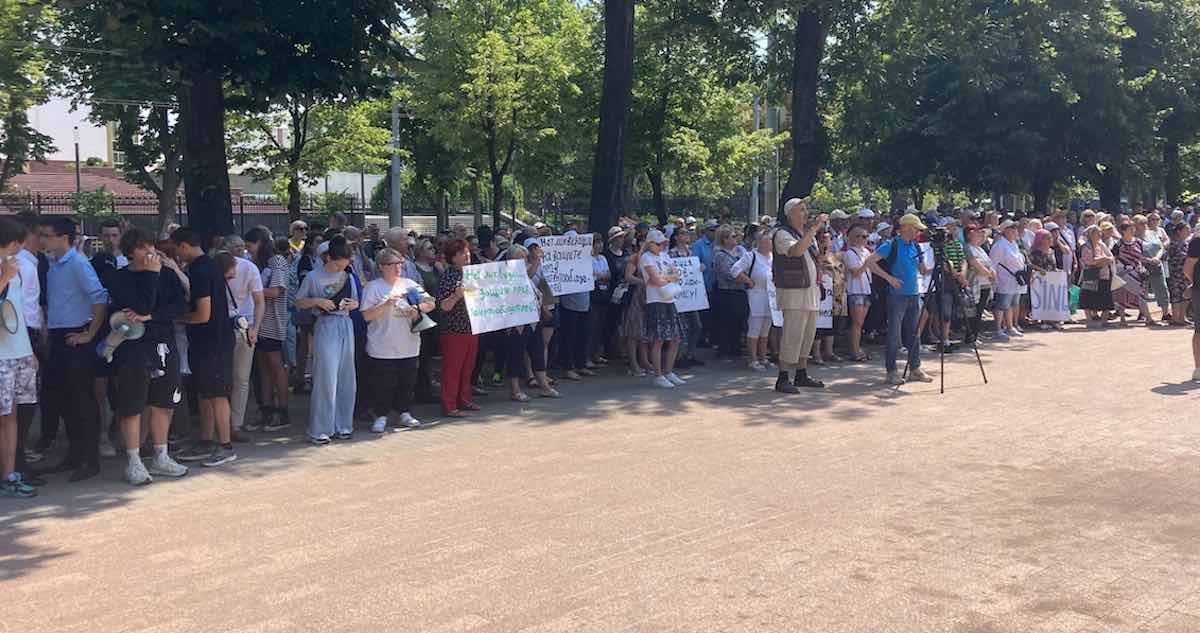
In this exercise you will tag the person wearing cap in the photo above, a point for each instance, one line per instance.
(838, 222)
(798, 292)
(661, 319)
(1006, 254)
(954, 279)
(681, 247)
(705, 249)
(981, 274)
(904, 266)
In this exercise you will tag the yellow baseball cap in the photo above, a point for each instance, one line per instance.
(911, 219)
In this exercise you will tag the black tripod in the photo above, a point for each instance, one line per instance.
(933, 301)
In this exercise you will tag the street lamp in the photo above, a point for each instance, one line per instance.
(78, 185)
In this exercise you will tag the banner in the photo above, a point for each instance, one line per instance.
(499, 296)
(773, 301)
(825, 309)
(923, 281)
(567, 263)
(693, 297)
(1050, 296)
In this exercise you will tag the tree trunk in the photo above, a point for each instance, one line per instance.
(1172, 174)
(167, 211)
(205, 166)
(1109, 185)
(918, 198)
(293, 189)
(497, 198)
(1041, 189)
(660, 201)
(615, 98)
(807, 134)
(897, 202)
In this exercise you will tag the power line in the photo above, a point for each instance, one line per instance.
(56, 47)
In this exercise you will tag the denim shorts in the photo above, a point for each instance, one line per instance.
(858, 300)
(1002, 302)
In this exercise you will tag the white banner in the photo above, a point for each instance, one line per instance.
(567, 263)
(825, 309)
(773, 301)
(499, 296)
(693, 297)
(1049, 296)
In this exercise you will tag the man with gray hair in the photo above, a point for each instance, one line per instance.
(397, 239)
(798, 291)
(246, 294)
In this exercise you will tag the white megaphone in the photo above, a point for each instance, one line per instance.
(122, 330)
(424, 324)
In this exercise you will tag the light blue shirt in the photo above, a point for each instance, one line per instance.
(72, 288)
(703, 250)
(906, 268)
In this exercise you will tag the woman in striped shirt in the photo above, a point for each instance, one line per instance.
(273, 378)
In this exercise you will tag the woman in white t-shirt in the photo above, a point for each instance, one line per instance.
(662, 319)
(391, 305)
(756, 264)
(18, 369)
(858, 288)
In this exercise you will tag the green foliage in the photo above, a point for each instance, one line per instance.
(93, 204)
(23, 83)
(94, 161)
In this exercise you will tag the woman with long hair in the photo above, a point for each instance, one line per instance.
(661, 325)
(858, 288)
(273, 378)
(459, 344)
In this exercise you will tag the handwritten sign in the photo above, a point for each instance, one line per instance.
(1049, 296)
(693, 297)
(567, 263)
(825, 309)
(499, 296)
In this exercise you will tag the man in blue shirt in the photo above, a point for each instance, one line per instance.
(76, 308)
(705, 250)
(904, 300)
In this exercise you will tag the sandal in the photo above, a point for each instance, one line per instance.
(470, 406)
(551, 393)
(455, 414)
(520, 397)
(572, 375)
(861, 357)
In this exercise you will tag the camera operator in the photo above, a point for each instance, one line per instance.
(899, 263)
(947, 244)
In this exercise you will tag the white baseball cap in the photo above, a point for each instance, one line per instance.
(656, 236)
(866, 214)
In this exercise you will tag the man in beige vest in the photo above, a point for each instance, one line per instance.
(798, 290)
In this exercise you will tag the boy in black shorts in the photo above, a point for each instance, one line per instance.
(210, 349)
(147, 369)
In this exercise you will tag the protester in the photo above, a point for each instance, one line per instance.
(1154, 251)
(830, 267)
(273, 380)
(246, 300)
(617, 257)
(524, 342)
(147, 369)
(755, 264)
(662, 328)
(899, 262)
(601, 301)
(392, 305)
(730, 307)
(76, 309)
(1006, 255)
(18, 367)
(633, 322)
(858, 288)
(573, 339)
(798, 292)
(689, 321)
(29, 268)
(981, 274)
(1131, 267)
(1095, 282)
(210, 337)
(1189, 271)
(459, 345)
(1181, 234)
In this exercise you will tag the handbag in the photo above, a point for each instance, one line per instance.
(618, 295)
(8, 313)
(1090, 280)
(1117, 282)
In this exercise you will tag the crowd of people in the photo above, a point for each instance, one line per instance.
(109, 344)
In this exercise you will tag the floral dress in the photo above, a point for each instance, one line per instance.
(1132, 269)
(1177, 284)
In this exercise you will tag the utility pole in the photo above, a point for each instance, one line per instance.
(78, 181)
(753, 214)
(395, 208)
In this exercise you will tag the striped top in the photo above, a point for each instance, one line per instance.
(275, 320)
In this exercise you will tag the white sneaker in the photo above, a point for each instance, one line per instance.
(380, 424)
(1196, 375)
(757, 366)
(136, 474)
(106, 447)
(894, 379)
(409, 421)
(919, 375)
(167, 467)
(676, 380)
(661, 381)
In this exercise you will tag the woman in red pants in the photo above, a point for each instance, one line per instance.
(459, 345)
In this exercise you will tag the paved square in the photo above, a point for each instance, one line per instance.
(1061, 497)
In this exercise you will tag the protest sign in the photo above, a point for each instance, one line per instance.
(825, 308)
(1049, 296)
(693, 297)
(567, 263)
(499, 296)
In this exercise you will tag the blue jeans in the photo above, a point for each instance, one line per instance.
(903, 313)
(334, 377)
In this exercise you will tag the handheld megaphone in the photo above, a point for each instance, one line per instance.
(424, 324)
(122, 330)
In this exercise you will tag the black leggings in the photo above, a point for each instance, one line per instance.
(394, 381)
(522, 341)
(730, 310)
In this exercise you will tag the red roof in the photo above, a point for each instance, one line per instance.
(58, 177)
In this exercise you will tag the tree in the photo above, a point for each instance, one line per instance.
(23, 83)
(608, 175)
(493, 75)
(260, 52)
(301, 138)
